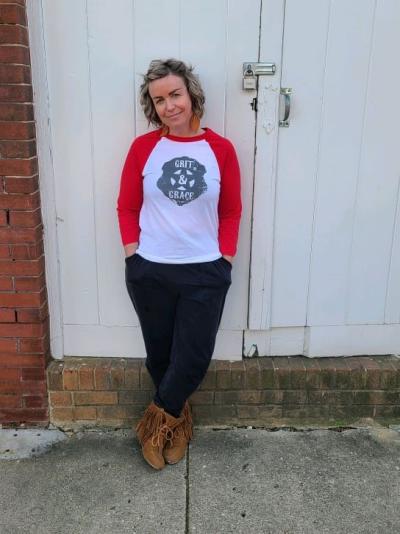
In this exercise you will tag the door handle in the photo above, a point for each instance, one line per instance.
(286, 92)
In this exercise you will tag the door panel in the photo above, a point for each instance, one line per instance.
(94, 73)
(330, 213)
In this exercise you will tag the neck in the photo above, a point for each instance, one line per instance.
(185, 132)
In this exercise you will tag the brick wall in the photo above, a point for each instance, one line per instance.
(24, 317)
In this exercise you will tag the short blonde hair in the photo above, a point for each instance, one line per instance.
(160, 68)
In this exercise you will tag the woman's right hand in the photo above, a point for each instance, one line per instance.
(130, 249)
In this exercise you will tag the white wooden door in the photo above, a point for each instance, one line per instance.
(95, 52)
(325, 276)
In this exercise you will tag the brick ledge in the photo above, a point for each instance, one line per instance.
(273, 391)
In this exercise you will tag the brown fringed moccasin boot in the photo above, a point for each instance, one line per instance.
(175, 449)
(154, 429)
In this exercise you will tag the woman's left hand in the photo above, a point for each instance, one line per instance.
(229, 258)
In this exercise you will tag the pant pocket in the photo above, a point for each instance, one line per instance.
(223, 268)
(134, 267)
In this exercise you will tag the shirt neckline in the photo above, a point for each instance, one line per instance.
(188, 139)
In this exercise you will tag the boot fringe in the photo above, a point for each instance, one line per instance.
(151, 422)
(187, 425)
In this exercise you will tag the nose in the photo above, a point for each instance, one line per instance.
(169, 104)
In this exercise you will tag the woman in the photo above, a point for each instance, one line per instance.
(179, 209)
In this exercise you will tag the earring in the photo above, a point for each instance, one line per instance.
(194, 122)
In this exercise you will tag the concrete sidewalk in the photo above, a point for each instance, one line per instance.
(233, 480)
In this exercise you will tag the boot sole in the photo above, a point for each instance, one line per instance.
(154, 466)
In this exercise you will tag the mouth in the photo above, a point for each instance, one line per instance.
(173, 116)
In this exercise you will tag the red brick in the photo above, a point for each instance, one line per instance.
(8, 374)
(6, 283)
(281, 371)
(22, 330)
(61, 414)
(11, 34)
(33, 386)
(86, 378)
(313, 373)
(34, 401)
(16, 112)
(11, 401)
(23, 202)
(34, 345)
(21, 360)
(7, 316)
(33, 283)
(24, 300)
(16, 93)
(17, 130)
(24, 415)
(238, 371)
(223, 372)
(19, 2)
(8, 345)
(21, 184)
(27, 252)
(253, 373)
(12, 14)
(33, 316)
(3, 217)
(25, 219)
(14, 54)
(15, 73)
(95, 397)
(70, 379)
(60, 398)
(26, 268)
(84, 413)
(18, 167)
(4, 252)
(33, 373)
(17, 149)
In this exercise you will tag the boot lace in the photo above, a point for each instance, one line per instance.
(163, 434)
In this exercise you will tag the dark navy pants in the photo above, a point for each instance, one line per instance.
(179, 308)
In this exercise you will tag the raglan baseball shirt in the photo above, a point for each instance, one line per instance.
(180, 197)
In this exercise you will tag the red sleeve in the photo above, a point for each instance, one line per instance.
(230, 204)
(130, 198)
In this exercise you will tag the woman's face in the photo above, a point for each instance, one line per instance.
(172, 103)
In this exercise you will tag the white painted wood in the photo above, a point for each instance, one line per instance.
(112, 109)
(303, 69)
(343, 112)
(127, 342)
(378, 180)
(324, 341)
(65, 32)
(46, 173)
(272, 17)
(392, 311)
(274, 342)
(239, 127)
(325, 242)
(228, 109)
(352, 340)
(97, 70)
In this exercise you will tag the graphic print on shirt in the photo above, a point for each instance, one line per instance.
(182, 180)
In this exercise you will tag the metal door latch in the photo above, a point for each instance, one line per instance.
(252, 70)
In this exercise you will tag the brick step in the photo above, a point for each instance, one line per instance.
(273, 391)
